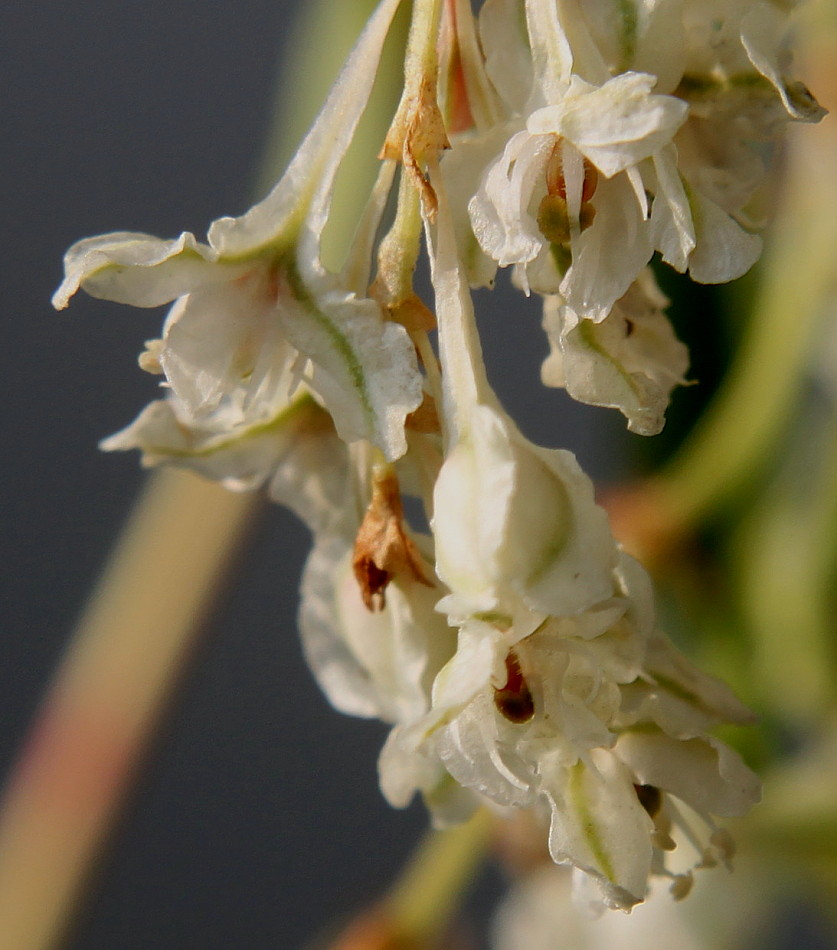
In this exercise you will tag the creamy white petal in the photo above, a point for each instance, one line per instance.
(500, 216)
(599, 826)
(311, 475)
(552, 55)
(615, 125)
(609, 254)
(370, 663)
(672, 230)
(297, 453)
(681, 699)
(223, 351)
(462, 168)
(724, 250)
(704, 773)
(630, 361)
(138, 269)
(239, 460)
(764, 30)
(365, 367)
(641, 36)
(508, 58)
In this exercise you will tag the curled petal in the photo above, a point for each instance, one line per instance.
(704, 773)
(672, 230)
(138, 269)
(630, 361)
(615, 125)
(499, 211)
(763, 30)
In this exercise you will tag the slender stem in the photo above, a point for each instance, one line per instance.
(421, 61)
(423, 901)
(100, 712)
(399, 251)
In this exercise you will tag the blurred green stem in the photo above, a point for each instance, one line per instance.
(756, 402)
(431, 887)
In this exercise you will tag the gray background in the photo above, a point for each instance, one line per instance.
(258, 819)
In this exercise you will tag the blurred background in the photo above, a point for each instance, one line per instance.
(256, 821)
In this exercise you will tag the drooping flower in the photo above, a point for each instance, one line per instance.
(367, 618)
(631, 360)
(570, 177)
(563, 697)
(599, 171)
(545, 190)
(255, 307)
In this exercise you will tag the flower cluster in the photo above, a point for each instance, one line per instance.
(513, 645)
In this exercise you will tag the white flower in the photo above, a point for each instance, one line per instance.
(545, 719)
(581, 89)
(370, 663)
(255, 306)
(735, 64)
(560, 697)
(514, 524)
(544, 189)
(631, 360)
(297, 455)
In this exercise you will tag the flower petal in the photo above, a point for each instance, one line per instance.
(138, 269)
(508, 58)
(599, 826)
(615, 125)
(763, 30)
(724, 250)
(365, 368)
(704, 773)
(630, 361)
(223, 352)
(672, 230)
(610, 254)
(370, 663)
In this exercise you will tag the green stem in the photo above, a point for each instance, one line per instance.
(423, 901)
(756, 403)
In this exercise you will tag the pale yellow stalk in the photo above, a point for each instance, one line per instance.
(100, 712)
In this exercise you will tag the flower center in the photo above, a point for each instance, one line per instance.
(514, 700)
(553, 214)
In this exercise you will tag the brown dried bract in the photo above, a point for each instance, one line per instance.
(417, 131)
(382, 548)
